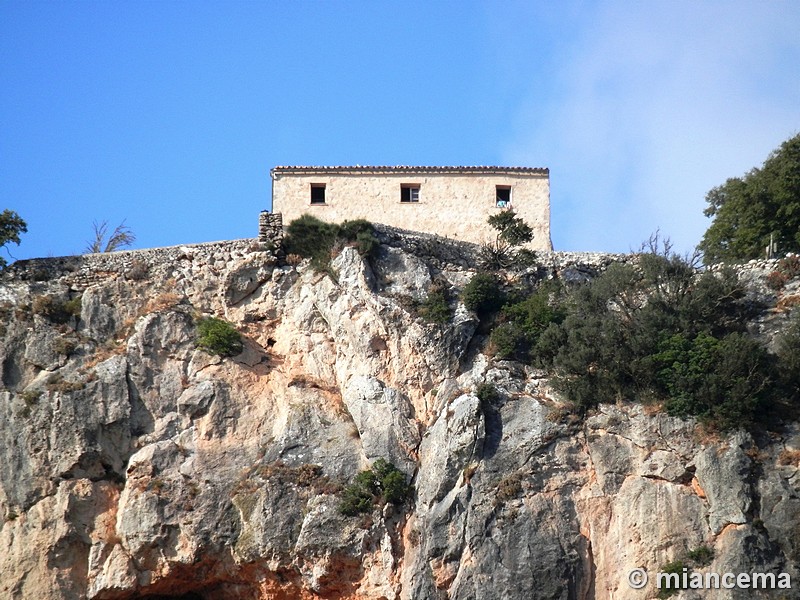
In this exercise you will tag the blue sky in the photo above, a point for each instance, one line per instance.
(169, 115)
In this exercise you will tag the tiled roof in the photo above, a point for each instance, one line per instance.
(409, 169)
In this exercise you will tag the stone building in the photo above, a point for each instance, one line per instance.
(449, 201)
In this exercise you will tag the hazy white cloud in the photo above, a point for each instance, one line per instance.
(654, 104)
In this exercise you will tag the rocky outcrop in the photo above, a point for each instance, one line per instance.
(133, 465)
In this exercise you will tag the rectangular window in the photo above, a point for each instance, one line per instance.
(317, 193)
(503, 194)
(409, 193)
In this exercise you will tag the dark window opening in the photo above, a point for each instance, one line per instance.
(503, 193)
(317, 193)
(409, 193)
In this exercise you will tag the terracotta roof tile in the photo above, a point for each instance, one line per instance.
(408, 169)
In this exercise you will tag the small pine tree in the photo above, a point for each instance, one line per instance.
(512, 231)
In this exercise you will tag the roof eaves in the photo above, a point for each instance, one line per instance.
(300, 169)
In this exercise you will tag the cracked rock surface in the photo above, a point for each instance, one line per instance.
(133, 465)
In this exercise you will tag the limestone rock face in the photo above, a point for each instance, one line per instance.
(133, 465)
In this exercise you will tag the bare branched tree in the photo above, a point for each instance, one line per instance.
(121, 237)
(660, 245)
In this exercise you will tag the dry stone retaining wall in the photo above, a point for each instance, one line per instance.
(81, 271)
(441, 252)
(84, 270)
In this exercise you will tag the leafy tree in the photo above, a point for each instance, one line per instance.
(659, 331)
(11, 225)
(121, 237)
(747, 210)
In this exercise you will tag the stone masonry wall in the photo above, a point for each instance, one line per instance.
(450, 205)
(82, 271)
(270, 227)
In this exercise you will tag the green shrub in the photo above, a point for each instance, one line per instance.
(659, 331)
(674, 567)
(526, 320)
(362, 233)
(55, 310)
(312, 238)
(218, 337)
(73, 307)
(586, 348)
(524, 258)
(487, 394)
(533, 314)
(507, 340)
(701, 556)
(549, 345)
(483, 294)
(355, 501)
(716, 302)
(395, 488)
(383, 483)
(724, 382)
(436, 307)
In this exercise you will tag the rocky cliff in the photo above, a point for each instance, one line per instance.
(134, 465)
